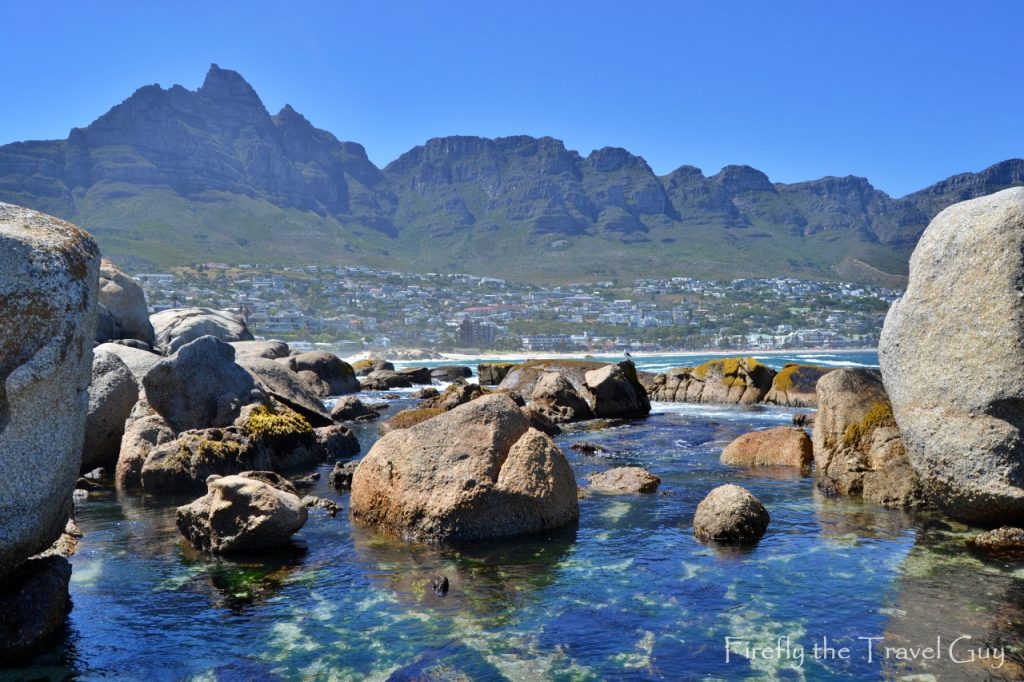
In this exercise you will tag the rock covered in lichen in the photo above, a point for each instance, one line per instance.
(49, 270)
(952, 355)
(857, 443)
(732, 381)
(795, 384)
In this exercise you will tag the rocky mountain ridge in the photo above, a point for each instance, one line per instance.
(172, 176)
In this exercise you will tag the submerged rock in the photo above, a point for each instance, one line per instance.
(952, 356)
(781, 446)
(857, 443)
(48, 287)
(478, 471)
(730, 515)
(241, 515)
(624, 480)
(1006, 538)
(178, 327)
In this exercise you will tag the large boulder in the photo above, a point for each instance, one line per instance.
(125, 305)
(794, 385)
(240, 514)
(364, 367)
(138, 361)
(416, 375)
(451, 373)
(285, 385)
(177, 327)
(493, 373)
(385, 380)
(478, 471)
(200, 386)
(952, 356)
(326, 373)
(183, 465)
(615, 392)
(113, 393)
(522, 378)
(857, 445)
(266, 350)
(337, 442)
(780, 446)
(730, 515)
(729, 381)
(49, 271)
(556, 398)
(144, 430)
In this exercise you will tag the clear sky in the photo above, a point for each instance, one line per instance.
(904, 93)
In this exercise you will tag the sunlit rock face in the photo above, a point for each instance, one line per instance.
(476, 472)
(952, 357)
(49, 270)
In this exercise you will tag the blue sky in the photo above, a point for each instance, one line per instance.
(904, 93)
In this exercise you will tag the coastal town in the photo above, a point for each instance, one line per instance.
(353, 308)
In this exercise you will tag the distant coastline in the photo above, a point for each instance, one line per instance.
(649, 354)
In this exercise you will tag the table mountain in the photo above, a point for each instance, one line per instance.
(173, 176)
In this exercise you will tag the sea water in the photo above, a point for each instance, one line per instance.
(628, 594)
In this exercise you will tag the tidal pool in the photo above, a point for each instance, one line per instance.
(628, 594)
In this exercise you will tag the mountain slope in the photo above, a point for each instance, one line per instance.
(173, 176)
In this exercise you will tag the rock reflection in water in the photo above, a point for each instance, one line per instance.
(946, 592)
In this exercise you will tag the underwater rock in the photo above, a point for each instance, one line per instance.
(439, 585)
(241, 514)
(730, 515)
(1001, 539)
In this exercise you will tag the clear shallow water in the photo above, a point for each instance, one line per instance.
(627, 595)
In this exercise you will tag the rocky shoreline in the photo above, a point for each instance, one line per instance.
(187, 402)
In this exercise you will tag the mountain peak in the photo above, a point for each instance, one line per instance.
(226, 84)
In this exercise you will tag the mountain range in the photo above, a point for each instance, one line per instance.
(175, 176)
